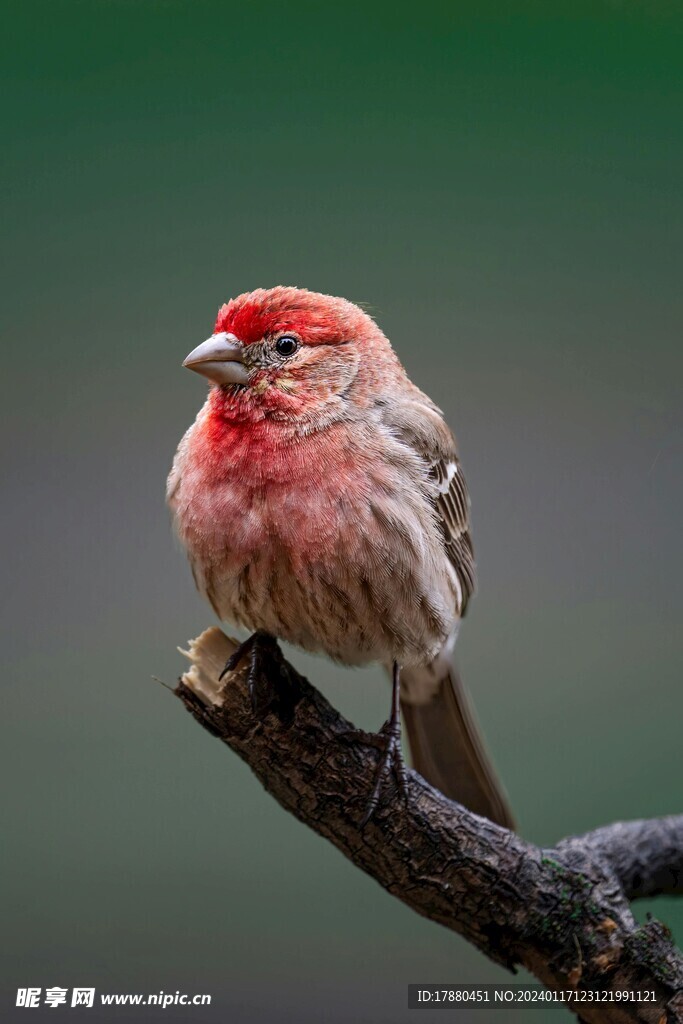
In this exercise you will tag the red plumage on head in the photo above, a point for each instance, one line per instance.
(317, 319)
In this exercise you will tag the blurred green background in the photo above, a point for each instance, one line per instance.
(502, 184)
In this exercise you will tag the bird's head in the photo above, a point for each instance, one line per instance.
(289, 353)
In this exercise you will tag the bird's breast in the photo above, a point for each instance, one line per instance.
(250, 489)
(315, 539)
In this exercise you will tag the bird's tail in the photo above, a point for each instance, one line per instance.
(445, 742)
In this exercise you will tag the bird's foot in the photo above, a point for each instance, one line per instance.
(391, 763)
(268, 677)
(388, 742)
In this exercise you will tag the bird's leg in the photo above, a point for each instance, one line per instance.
(266, 665)
(391, 758)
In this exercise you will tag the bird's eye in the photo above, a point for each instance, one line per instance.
(286, 345)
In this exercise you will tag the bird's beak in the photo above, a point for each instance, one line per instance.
(220, 358)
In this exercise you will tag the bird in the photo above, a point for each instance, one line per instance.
(320, 498)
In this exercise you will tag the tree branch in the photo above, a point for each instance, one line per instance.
(562, 913)
(645, 856)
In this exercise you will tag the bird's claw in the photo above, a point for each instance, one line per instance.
(265, 665)
(391, 762)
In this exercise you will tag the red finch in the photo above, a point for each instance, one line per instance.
(321, 501)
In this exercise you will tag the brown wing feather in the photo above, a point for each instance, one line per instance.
(420, 424)
(453, 505)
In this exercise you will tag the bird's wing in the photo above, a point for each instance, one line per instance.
(445, 742)
(453, 505)
(420, 425)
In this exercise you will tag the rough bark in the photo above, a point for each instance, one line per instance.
(563, 913)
